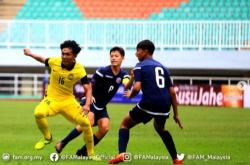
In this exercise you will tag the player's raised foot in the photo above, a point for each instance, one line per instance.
(59, 147)
(41, 143)
(94, 158)
(179, 159)
(118, 159)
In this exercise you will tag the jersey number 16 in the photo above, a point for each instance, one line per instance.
(61, 80)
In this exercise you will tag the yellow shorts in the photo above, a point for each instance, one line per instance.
(69, 108)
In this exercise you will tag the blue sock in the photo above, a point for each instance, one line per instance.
(123, 139)
(73, 134)
(169, 143)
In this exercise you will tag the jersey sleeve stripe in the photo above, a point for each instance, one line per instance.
(108, 76)
(97, 72)
(137, 68)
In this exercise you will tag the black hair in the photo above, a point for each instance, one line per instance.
(146, 45)
(119, 49)
(72, 45)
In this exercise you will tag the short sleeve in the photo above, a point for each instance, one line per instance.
(167, 78)
(84, 80)
(47, 62)
(137, 73)
(99, 74)
(51, 61)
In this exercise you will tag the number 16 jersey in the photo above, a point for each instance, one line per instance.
(62, 80)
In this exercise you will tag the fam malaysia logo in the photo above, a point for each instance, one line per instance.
(71, 76)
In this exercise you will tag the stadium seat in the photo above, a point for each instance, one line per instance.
(128, 9)
(50, 10)
(181, 10)
(210, 10)
(140, 9)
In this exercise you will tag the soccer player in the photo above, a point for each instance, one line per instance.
(153, 79)
(59, 98)
(105, 83)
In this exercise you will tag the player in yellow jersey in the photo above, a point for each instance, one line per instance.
(105, 84)
(59, 98)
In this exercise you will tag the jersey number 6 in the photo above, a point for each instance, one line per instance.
(159, 77)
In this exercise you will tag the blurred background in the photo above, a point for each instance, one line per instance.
(205, 44)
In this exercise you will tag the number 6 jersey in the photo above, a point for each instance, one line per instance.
(155, 84)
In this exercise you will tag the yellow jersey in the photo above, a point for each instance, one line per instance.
(62, 81)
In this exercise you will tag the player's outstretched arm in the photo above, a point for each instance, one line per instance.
(175, 109)
(37, 57)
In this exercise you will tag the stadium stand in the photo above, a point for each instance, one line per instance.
(186, 32)
(185, 35)
(180, 29)
(182, 25)
(50, 10)
(206, 10)
(126, 9)
(140, 9)
(9, 8)
(93, 9)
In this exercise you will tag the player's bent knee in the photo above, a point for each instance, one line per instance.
(92, 122)
(39, 114)
(79, 128)
(84, 124)
(104, 129)
(124, 126)
(127, 123)
(83, 121)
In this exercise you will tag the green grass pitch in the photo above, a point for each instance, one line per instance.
(210, 136)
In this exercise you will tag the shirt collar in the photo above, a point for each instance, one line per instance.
(68, 68)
